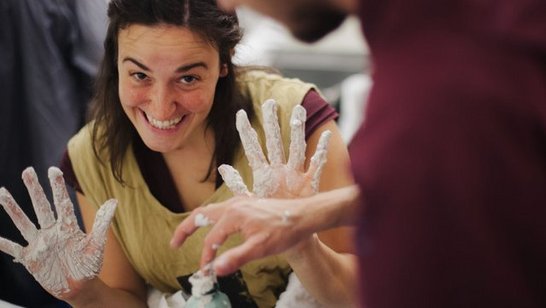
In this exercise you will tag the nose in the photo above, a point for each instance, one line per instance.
(162, 102)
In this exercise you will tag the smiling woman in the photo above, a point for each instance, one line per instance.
(167, 77)
(161, 123)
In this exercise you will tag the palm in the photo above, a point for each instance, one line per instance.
(59, 255)
(273, 177)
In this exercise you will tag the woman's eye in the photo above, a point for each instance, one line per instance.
(188, 79)
(139, 76)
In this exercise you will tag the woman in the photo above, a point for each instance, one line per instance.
(162, 121)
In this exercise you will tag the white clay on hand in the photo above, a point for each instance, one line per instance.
(318, 160)
(58, 254)
(275, 178)
(275, 150)
(202, 220)
(297, 138)
(233, 180)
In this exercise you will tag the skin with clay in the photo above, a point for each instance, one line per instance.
(277, 177)
(273, 176)
(59, 255)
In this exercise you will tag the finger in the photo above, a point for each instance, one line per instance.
(249, 139)
(236, 257)
(186, 228)
(226, 226)
(297, 139)
(42, 207)
(21, 221)
(65, 208)
(94, 243)
(102, 222)
(318, 160)
(13, 249)
(275, 150)
(233, 180)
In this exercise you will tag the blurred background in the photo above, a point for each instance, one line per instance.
(338, 64)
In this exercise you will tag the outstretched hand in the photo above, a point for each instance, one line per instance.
(59, 255)
(277, 178)
(269, 226)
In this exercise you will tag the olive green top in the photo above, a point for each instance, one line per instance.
(144, 227)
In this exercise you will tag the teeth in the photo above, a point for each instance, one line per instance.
(163, 124)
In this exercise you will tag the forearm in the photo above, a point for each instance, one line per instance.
(95, 293)
(328, 276)
(331, 209)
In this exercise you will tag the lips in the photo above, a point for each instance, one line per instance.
(163, 124)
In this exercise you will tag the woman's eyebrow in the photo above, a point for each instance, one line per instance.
(142, 66)
(187, 67)
(181, 69)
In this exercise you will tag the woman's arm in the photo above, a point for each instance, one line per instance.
(328, 275)
(335, 174)
(118, 285)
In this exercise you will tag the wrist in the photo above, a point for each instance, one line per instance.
(302, 249)
(83, 294)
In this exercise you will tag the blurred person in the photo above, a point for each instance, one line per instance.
(50, 51)
(450, 161)
(162, 121)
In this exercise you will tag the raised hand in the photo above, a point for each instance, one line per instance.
(264, 223)
(275, 178)
(59, 255)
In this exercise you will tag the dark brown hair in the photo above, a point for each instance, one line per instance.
(112, 131)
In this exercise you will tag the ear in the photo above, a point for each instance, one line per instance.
(224, 70)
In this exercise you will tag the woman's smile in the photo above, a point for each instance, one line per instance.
(165, 124)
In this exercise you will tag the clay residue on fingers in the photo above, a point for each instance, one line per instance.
(319, 159)
(233, 180)
(202, 220)
(275, 150)
(249, 140)
(296, 159)
(63, 204)
(21, 221)
(41, 205)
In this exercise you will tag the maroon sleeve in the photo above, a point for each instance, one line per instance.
(68, 172)
(318, 112)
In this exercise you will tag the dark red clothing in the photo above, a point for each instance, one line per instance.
(451, 160)
(157, 175)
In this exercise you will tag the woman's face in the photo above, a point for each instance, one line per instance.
(167, 80)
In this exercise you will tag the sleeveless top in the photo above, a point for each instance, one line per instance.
(143, 226)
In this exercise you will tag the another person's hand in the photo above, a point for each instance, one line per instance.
(59, 255)
(269, 226)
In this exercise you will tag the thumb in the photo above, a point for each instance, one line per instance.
(102, 221)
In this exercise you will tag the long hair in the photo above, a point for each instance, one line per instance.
(113, 132)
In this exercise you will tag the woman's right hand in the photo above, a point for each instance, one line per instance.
(59, 255)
